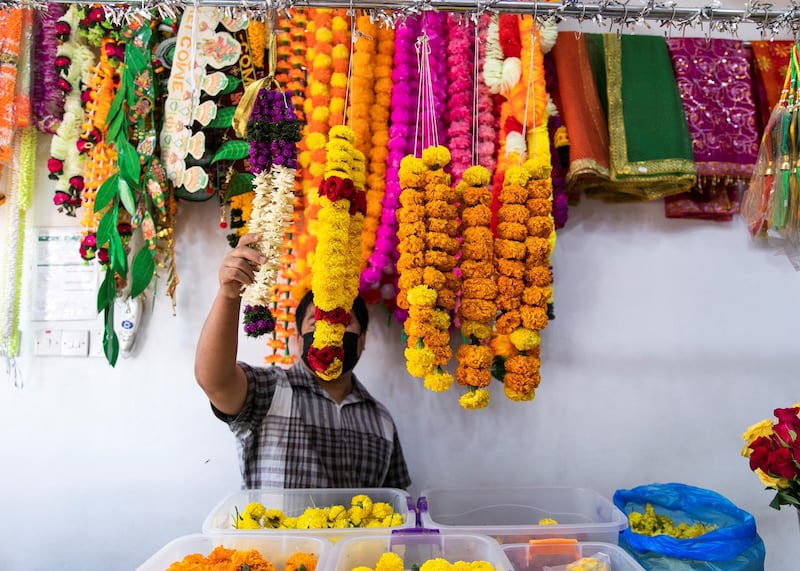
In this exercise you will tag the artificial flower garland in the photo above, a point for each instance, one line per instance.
(223, 558)
(273, 130)
(48, 103)
(485, 118)
(73, 62)
(335, 283)
(11, 30)
(317, 111)
(380, 275)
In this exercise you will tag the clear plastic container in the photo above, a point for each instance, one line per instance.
(415, 546)
(294, 502)
(512, 515)
(533, 557)
(275, 548)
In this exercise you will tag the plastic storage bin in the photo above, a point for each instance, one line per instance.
(512, 515)
(415, 546)
(276, 548)
(294, 502)
(526, 557)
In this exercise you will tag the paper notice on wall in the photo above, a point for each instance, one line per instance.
(65, 285)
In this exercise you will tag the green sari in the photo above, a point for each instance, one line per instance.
(649, 142)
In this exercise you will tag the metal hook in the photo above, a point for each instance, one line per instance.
(581, 18)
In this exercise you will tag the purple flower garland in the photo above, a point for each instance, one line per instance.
(560, 206)
(47, 102)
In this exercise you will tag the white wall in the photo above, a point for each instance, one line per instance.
(671, 337)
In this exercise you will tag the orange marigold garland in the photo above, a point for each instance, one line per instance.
(522, 375)
(478, 287)
(379, 149)
(340, 64)
(335, 283)
(316, 107)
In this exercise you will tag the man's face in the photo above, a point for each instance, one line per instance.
(308, 324)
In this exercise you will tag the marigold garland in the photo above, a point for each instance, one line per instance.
(478, 288)
(335, 283)
(224, 558)
(11, 30)
(316, 107)
(340, 63)
(379, 278)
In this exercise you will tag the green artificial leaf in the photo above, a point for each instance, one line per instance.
(107, 226)
(223, 119)
(241, 183)
(233, 85)
(116, 252)
(106, 193)
(116, 105)
(498, 368)
(103, 299)
(232, 151)
(110, 340)
(115, 128)
(126, 197)
(135, 61)
(129, 165)
(142, 270)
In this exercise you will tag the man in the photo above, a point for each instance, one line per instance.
(294, 430)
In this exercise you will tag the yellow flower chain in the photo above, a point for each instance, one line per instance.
(335, 283)
(311, 158)
(379, 149)
(478, 287)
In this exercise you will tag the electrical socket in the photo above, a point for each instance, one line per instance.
(47, 342)
(96, 343)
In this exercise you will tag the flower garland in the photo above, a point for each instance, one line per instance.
(486, 119)
(460, 69)
(73, 63)
(273, 130)
(335, 283)
(48, 102)
(478, 288)
(224, 558)
(340, 65)
(11, 30)
(317, 111)
(427, 247)
(379, 276)
(530, 316)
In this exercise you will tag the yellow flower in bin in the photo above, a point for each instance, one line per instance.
(482, 566)
(254, 511)
(364, 502)
(389, 562)
(273, 518)
(437, 564)
(381, 510)
(336, 513)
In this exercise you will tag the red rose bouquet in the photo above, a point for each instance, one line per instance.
(774, 452)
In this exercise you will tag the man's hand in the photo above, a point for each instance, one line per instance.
(239, 267)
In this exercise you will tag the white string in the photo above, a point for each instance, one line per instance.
(353, 34)
(420, 93)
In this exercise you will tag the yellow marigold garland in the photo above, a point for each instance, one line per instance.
(316, 107)
(478, 288)
(335, 283)
(340, 62)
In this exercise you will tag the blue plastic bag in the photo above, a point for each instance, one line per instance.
(733, 546)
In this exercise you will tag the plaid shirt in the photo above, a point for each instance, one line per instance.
(292, 434)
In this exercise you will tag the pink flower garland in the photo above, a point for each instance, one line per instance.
(47, 99)
(460, 92)
(487, 119)
(380, 271)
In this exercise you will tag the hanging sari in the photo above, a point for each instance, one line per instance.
(713, 78)
(583, 116)
(650, 149)
(772, 59)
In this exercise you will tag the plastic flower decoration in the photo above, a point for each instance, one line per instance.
(773, 449)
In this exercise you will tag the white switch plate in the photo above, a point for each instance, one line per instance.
(47, 342)
(74, 343)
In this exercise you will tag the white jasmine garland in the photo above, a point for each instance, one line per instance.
(273, 206)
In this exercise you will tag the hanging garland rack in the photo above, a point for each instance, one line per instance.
(626, 14)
